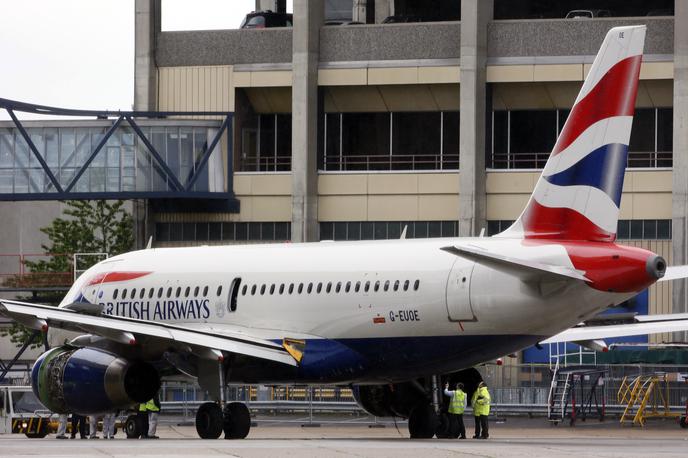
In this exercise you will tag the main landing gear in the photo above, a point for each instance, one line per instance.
(424, 419)
(231, 418)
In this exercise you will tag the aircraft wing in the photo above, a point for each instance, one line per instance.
(534, 267)
(126, 330)
(650, 324)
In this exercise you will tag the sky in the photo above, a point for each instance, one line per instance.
(80, 53)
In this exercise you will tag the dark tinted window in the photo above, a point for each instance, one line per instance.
(416, 285)
(262, 289)
(114, 294)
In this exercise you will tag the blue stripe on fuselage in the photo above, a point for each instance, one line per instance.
(603, 169)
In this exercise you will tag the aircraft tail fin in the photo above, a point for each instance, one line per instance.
(579, 192)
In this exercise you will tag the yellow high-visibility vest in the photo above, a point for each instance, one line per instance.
(458, 402)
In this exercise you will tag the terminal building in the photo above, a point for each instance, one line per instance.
(439, 121)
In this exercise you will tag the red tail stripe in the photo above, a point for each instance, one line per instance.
(110, 277)
(614, 95)
(540, 222)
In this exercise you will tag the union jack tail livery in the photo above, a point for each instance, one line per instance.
(579, 192)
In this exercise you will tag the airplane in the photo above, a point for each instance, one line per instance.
(393, 319)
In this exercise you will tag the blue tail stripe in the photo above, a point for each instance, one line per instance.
(603, 169)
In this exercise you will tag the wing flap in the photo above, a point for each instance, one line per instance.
(533, 267)
(106, 325)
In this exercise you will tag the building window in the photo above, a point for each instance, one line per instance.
(266, 143)
(523, 139)
(379, 230)
(233, 232)
(390, 141)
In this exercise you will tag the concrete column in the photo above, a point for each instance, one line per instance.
(680, 159)
(147, 26)
(383, 8)
(475, 15)
(308, 18)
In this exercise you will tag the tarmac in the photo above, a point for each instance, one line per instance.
(518, 437)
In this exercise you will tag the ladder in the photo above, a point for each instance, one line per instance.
(644, 398)
(558, 395)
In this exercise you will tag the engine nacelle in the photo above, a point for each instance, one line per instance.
(89, 380)
(398, 399)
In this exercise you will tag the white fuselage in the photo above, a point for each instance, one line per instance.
(371, 297)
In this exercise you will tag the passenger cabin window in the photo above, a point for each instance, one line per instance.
(187, 291)
(196, 289)
(396, 285)
(348, 287)
(338, 287)
(377, 286)
(310, 288)
(358, 286)
(291, 288)
(281, 288)
(262, 289)
(150, 293)
(219, 290)
(178, 292)
(253, 290)
(124, 293)
(319, 288)
(416, 285)
(272, 289)
(114, 294)
(143, 293)
(300, 288)
(406, 285)
(159, 293)
(243, 290)
(387, 285)
(367, 286)
(205, 291)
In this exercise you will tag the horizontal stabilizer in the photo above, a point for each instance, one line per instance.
(482, 255)
(675, 273)
(591, 333)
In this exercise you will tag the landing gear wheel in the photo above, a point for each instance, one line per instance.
(209, 421)
(237, 420)
(423, 422)
(444, 430)
(133, 427)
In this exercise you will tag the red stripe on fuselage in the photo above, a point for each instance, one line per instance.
(614, 95)
(110, 277)
(540, 222)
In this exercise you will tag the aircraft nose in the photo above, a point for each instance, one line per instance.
(655, 267)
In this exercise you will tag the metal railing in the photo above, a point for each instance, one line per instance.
(15, 275)
(387, 162)
(537, 160)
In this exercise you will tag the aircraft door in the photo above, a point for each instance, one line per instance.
(458, 291)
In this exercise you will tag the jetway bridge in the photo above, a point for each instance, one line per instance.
(177, 160)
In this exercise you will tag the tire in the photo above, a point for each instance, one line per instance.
(237, 420)
(423, 422)
(209, 421)
(444, 429)
(133, 427)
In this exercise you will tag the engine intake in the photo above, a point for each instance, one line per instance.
(89, 380)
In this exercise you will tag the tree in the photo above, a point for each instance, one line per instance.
(89, 227)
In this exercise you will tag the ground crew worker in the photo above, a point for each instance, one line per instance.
(457, 404)
(62, 426)
(78, 425)
(93, 426)
(143, 416)
(109, 425)
(481, 409)
(153, 409)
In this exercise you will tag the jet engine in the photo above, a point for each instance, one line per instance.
(89, 380)
(398, 399)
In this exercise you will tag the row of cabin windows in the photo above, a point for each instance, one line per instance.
(150, 292)
(329, 287)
